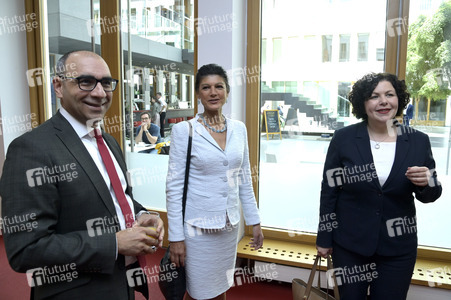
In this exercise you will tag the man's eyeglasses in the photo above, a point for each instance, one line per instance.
(89, 83)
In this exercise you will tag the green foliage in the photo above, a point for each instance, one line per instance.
(429, 55)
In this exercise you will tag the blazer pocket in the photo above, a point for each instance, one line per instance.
(202, 200)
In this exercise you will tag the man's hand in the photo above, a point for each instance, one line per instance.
(136, 241)
(146, 220)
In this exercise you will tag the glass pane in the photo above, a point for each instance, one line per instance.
(310, 88)
(327, 48)
(428, 79)
(345, 40)
(157, 28)
(69, 28)
(363, 47)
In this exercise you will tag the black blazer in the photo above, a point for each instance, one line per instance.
(355, 211)
(60, 210)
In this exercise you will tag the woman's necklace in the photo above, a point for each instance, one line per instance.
(214, 129)
(378, 144)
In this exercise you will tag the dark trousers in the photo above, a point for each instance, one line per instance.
(162, 118)
(388, 277)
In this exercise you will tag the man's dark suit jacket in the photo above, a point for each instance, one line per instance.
(369, 218)
(62, 211)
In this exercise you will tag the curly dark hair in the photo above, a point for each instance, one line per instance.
(211, 69)
(364, 87)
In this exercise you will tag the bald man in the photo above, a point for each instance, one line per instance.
(74, 226)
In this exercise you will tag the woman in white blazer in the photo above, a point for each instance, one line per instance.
(219, 178)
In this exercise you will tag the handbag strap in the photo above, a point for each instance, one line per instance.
(188, 163)
(311, 277)
(330, 266)
(316, 266)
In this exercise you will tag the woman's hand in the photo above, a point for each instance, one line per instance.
(257, 240)
(178, 253)
(324, 252)
(418, 175)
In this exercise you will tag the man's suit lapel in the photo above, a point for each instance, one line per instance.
(74, 145)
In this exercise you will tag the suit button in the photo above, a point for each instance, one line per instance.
(378, 212)
(224, 179)
(380, 194)
(226, 163)
(224, 194)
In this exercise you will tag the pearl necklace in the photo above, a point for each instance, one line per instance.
(214, 129)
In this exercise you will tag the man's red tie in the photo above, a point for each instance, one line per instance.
(117, 187)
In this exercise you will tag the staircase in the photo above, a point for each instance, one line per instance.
(302, 108)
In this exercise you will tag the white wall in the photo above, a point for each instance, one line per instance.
(14, 96)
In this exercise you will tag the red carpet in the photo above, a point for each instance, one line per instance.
(14, 286)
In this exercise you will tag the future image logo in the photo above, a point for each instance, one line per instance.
(58, 173)
(351, 174)
(35, 77)
(354, 274)
(35, 177)
(400, 226)
(142, 276)
(335, 177)
(214, 24)
(105, 25)
(246, 275)
(397, 26)
(14, 24)
(136, 277)
(99, 226)
(52, 275)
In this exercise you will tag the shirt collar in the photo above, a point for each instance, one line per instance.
(81, 129)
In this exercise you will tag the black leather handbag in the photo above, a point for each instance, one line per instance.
(172, 280)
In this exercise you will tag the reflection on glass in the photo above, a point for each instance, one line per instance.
(310, 90)
(428, 77)
(157, 28)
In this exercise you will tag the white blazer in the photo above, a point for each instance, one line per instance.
(218, 179)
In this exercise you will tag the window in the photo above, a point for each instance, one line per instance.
(380, 54)
(343, 104)
(345, 40)
(362, 51)
(276, 50)
(291, 168)
(327, 48)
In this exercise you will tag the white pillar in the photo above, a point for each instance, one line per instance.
(222, 28)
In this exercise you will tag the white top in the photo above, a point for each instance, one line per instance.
(383, 159)
(163, 105)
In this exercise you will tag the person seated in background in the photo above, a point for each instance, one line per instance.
(147, 132)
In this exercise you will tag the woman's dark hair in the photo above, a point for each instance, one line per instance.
(364, 87)
(211, 69)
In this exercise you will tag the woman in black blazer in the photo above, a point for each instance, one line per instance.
(373, 171)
